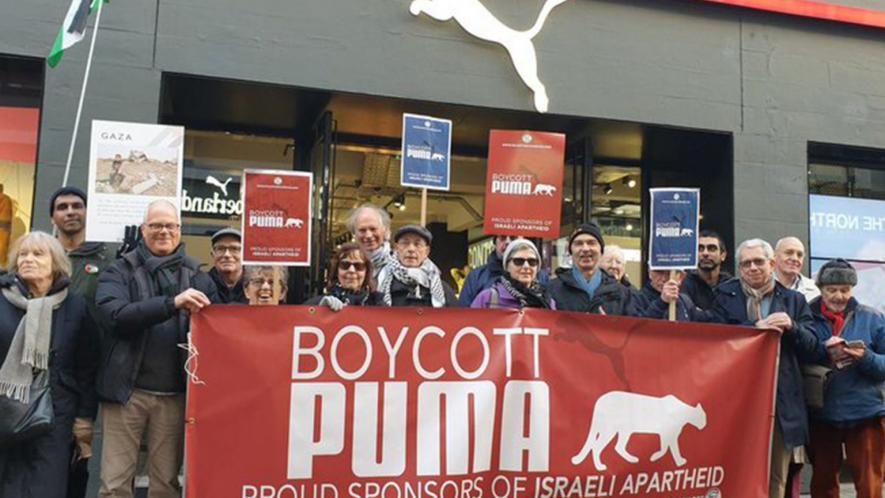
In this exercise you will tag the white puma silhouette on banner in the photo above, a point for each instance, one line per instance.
(477, 20)
(622, 414)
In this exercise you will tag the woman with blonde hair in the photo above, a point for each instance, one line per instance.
(46, 336)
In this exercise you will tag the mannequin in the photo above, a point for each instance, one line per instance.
(5, 225)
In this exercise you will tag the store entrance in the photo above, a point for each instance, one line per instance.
(352, 144)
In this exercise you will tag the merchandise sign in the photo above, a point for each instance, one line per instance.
(407, 403)
(524, 183)
(276, 221)
(130, 166)
(426, 153)
(673, 242)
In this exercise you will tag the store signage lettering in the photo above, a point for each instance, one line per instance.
(209, 194)
(830, 11)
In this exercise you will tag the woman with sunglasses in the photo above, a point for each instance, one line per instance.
(519, 287)
(350, 281)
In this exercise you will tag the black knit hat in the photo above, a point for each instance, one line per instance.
(65, 191)
(590, 229)
(837, 272)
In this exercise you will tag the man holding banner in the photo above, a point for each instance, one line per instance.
(757, 298)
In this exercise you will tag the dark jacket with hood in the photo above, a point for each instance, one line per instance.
(699, 291)
(136, 312)
(38, 468)
(87, 262)
(798, 344)
(655, 307)
(483, 277)
(611, 295)
(402, 294)
(228, 295)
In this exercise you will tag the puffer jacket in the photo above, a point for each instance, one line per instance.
(856, 393)
(798, 344)
(486, 299)
(611, 297)
(483, 277)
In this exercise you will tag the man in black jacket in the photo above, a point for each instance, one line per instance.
(410, 278)
(700, 285)
(758, 299)
(227, 271)
(145, 298)
(584, 286)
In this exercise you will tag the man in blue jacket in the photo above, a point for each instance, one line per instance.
(756, 298)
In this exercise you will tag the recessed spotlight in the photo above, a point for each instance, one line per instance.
(629, 181)
(608, 189)
(629, 227)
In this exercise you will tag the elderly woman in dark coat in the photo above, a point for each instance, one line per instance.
(42, 327)
(350, 281)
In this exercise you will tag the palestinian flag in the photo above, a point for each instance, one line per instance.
(73, 29)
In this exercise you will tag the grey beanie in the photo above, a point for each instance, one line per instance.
(517, 245)
(837, 272)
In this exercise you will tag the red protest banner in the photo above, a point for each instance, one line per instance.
(409, 403)
(276, 217)
(524, 183)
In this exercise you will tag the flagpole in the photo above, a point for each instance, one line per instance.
(82, 96)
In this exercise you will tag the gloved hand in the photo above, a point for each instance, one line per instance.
(333, 303)
(83, 436)
(132, 234)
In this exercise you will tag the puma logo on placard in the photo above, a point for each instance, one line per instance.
(544, 189)
(477, 20)
(622, 414)
(294, 223)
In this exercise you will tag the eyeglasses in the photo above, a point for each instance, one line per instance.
(356, 265)
(233, 250)
(747, 263)
(159, 227)
(532, 262)
(261, 282)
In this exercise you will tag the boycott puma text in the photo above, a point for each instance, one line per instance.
(329, 400)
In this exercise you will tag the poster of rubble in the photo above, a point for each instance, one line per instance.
(130, 166)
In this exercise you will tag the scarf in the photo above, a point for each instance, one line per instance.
(350, 297)
(756, 296)
(381, 257)
(836, 319)
(590, 286)
(29, 349)
(534, 296)
(163, 268)
(427, 276)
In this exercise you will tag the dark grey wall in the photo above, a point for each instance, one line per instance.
(773, 82)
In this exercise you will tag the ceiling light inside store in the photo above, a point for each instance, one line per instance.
(629, 227)
(608, 189)
(629, 182)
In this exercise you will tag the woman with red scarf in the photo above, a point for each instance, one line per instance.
(853, 414)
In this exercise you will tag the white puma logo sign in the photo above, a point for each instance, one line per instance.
(211, 180)
(622, 414)
(477, 20)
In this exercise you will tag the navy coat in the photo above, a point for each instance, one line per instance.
(798, 344)
(39, 468)
(611, 296)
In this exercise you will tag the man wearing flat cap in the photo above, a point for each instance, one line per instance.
(227, 262)
(586, 287)
(411, 278)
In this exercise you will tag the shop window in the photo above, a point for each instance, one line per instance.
(213, 166)
(846, 188)
(21, 91)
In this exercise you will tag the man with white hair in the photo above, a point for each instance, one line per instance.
(789, 257)
(757, 298)
(145, 298)
(370, 227)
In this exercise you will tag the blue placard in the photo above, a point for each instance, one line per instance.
(426, 153)
(673, 244)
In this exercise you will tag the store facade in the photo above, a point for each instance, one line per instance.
(649, 93)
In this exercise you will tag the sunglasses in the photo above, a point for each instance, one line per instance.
(356, 265)
(533, 262)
